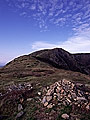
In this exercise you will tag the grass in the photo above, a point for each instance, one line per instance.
(48, 75)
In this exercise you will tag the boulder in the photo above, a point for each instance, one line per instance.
(50, 106)
(20, 107)
(44, 100)
(49, 98)
(65, 116)
(19, 114)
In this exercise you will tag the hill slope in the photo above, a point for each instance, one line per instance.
(38, 71)
(57, 58)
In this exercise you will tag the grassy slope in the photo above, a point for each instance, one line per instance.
(40, 74)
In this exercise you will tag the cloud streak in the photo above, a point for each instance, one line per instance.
(73, 45)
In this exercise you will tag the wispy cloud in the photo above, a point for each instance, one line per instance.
(74, 45)
(75, 12)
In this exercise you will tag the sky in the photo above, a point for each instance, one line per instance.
(30, 25)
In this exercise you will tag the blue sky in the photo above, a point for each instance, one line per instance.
(29, 25)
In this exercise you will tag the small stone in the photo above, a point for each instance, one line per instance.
(78, 105)
(39, 93)
(49, 98)
(20, 107)
(47, 87)
(0, 94)
(54, 97)
(45, 104)
(81, 98)
(44, 89)
(49, 92)
(64, 103)
(55, 94)
(50, 106)
(68, 100)
(73, 95)
(58, 94)
(69, 96)
(29, 99)
(65, 81)
(44, 99)
(65, 116)
(62, 91)
(88, 97)
(87, 107)
(19, 114)
(75, 99)
(87, 93)
(72, 85)
(58, 84)
(57, 90)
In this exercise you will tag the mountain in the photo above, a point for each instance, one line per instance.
(62, 59)
(57, 58)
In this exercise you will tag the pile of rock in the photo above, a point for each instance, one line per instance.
(66, 93)
(22, 86)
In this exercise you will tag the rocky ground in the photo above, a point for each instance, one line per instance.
(61, 100)
(66, 93)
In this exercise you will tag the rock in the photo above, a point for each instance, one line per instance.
(49, 92)
(69, 96)
(78, 105)
(68, 100)
(58, 85)
(49, 98)
(54, 97)
(88, 107)
(72, 85)
(39, 93)
(73, 95)
(45, 104)
(88, 97)
(44, 100)
(44, 90)
(58, 95)
(62, 91)
(57, 90)
(50, 106)
(65, 81)
(19, 114)
(81, 98)
(65, 116)
(47, 87)
(20, 107)
(29, 99)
